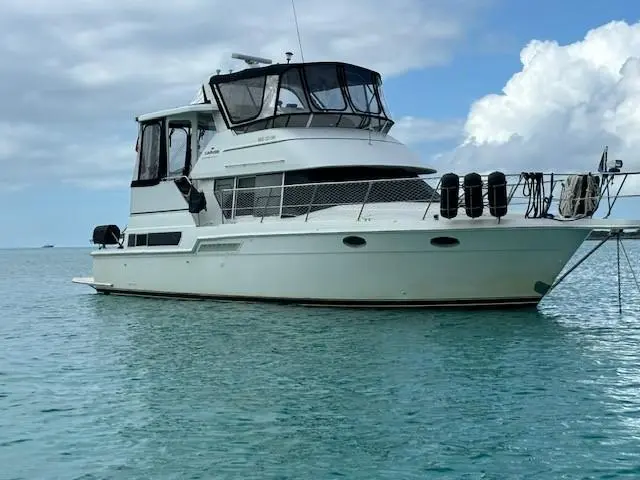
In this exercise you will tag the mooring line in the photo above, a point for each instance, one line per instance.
(619, 278)
(633, 273)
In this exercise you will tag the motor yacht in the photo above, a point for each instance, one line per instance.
(283, 182)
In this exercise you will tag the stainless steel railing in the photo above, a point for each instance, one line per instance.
(540, 197)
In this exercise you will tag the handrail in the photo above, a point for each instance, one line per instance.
(366, 197)
(426, 178)
(266, 204)
(435, 192)
(300, 200)
(313, 196)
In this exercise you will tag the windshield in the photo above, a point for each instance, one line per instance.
(360, 85)
(243, 98)
(291, 95)
(325, 89)
(302, 95)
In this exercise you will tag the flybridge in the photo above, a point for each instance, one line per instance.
(317, 94)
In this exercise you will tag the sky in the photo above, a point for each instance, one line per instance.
(473, 85)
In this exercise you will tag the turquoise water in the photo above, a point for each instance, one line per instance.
(95, 387)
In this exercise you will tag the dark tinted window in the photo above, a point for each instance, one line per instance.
(164, 238)
(141, 240)
(154, 239)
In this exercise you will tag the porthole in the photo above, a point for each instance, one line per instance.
(445, 242)
(354, 242)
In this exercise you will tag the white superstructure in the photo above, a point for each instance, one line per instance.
(282, 183)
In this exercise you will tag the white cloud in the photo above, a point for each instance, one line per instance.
(13, 137)
(562, 108)
(415, 130)
(76, 72)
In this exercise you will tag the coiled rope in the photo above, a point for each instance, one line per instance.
(533, 188)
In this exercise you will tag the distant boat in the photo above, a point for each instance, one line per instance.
(626, 235)
(47, 246)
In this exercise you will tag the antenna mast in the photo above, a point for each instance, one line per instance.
(295, 17)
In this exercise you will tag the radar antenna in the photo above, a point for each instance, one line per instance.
(251, 60)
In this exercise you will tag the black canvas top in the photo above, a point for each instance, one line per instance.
(278, 69)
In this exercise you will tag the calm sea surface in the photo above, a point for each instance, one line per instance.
(96, 387)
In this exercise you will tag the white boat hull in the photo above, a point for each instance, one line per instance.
(490, 266)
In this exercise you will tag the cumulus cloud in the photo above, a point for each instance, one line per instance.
(76, 72)
(417, 130)
(561, 109)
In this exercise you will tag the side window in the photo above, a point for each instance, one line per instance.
(245, 196)
(268, 195)
(150, 152)
(206, 130)
(179, 148)
(225, 198)
(262, 197)
(254, 195)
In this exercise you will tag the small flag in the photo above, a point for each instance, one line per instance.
(602, 167)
